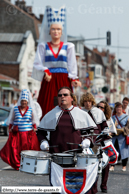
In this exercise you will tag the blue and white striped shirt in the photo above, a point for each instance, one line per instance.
(24, 122)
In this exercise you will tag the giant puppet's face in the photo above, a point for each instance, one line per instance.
(56, 31)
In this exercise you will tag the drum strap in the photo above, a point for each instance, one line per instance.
(119, 121)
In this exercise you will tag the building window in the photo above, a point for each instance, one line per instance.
(30, 86)
(98, 71)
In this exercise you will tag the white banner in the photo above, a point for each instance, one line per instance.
(82, 179)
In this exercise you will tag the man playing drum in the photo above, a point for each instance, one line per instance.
(65, 123)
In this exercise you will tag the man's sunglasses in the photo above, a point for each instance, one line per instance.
(100, 107)
(60, 95)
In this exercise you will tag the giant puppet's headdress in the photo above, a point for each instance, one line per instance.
(53, 16)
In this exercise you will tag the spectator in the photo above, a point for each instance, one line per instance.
(121, 121)
(125, 107)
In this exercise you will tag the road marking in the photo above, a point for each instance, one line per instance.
(7, 167)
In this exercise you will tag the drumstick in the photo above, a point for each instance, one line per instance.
(52, 146)
(89, 135)
(74, 144)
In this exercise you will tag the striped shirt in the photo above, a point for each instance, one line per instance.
(24, 122)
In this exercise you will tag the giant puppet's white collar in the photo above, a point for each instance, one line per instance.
(80, 119)
(97, 114)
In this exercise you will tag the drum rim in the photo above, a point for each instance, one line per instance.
(81, 155)
(33, 173)
(60, 156)
(37, 157)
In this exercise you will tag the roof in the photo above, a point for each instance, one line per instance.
(12, 47)
(6, 78)
(11, 37)
(16, 89)
(95, 57)
(17, 17)
(120, 68)
(9, 52)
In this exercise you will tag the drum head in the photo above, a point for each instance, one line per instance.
(35, 154)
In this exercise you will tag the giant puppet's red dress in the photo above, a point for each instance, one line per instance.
(63, 68)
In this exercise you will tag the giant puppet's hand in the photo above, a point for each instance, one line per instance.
(48, 75)
(44, 145)
(76, 83)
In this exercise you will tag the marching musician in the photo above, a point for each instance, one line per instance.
(65, 123)
(88, 102)
(103, 105)
(23, 123)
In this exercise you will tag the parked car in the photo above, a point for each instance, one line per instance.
(4, 113)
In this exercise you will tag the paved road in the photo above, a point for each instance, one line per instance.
(118, 182)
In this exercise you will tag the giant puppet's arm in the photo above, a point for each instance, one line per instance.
(72, 65)
(39, 70)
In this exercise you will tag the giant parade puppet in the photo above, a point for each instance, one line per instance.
(55, 62)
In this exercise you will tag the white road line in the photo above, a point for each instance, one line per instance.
(7, 167)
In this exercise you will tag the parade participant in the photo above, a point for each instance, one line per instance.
(125, 107)
(55, 62)
(88, 102)
(121, 121)
(23, 123)
(37, 107)
(103, 105)
(65, 123)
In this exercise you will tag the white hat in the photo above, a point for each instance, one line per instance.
(25, 95)
(56, 16)
(53, 16)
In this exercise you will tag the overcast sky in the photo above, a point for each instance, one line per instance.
(92, 19)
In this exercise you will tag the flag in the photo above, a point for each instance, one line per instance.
(110, 150)
(74, 180)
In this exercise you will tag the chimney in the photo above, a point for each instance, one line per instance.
(29, 9)
(41, 17)
(21, 4)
